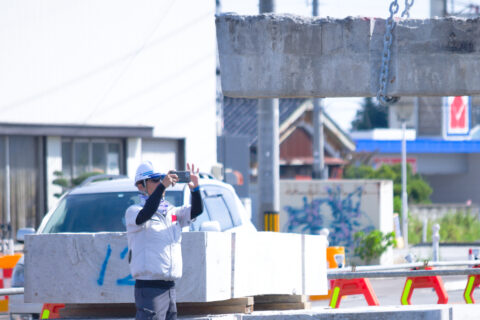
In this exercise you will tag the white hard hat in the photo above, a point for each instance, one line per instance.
(145, 171)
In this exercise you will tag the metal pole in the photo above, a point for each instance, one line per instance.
(11, 291)
(7, 226)
(315, 8)
(436, 242)
(268, 152)
(267, 6)
(219, 94)
(424, 229)
(319, 171)
(404, 185)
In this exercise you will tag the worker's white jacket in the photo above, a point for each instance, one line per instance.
(155, 252)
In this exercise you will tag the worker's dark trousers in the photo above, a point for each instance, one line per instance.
(155, 304)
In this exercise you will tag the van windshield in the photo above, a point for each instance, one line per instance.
(97, 212)
(94, 212)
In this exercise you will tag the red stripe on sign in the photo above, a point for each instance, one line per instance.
(174, 218)
(7, 273)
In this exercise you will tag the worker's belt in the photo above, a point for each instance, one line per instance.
(162, 284)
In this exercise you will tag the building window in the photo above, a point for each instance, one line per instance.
(80, 156)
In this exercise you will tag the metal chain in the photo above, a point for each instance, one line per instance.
(387, 42)
(386, 55)
(408, 5)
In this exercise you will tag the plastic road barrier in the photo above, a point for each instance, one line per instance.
(51, 310)
(345, 287)
(472, 283)
(412, 283)
(7, 263)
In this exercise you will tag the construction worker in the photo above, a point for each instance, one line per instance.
(154, 232)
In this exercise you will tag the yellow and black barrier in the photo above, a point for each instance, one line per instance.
(272, 221)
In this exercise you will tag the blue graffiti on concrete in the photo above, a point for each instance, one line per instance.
(306, 219)
(345, 216)
(125, 281)
(104, 266)
(124, 253)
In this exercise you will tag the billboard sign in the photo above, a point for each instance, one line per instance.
(457, 116)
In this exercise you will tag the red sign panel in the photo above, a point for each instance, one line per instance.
(458, 115)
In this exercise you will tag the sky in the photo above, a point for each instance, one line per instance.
(342, 110)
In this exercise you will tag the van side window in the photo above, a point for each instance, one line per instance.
(218, 210)
(219, 205)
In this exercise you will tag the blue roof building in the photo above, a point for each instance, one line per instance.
(450, 164)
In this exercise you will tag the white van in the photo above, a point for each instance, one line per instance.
(100, 207)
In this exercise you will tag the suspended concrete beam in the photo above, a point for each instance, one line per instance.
(269, 55)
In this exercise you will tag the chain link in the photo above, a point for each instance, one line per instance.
(386, 55)
(387, 42)
(408, 5)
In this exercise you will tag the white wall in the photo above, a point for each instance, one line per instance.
(112, 62)
(134, 155)
(163, 154)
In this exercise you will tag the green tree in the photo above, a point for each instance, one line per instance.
(67, 183)
(418, 190)
(371, 115)
(454, 227)
(373, 245)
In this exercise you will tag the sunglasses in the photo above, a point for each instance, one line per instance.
(155, 180)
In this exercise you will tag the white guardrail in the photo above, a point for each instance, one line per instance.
(385, 271)
(11, 291)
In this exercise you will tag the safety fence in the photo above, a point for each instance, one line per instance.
(7, 263)
(11, 291)
(355, 280)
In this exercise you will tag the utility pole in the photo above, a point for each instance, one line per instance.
(319, 171)
(268, 155)
(219, 95)
(7, 242)
(267, 6)
(438, 8)
(404, 184)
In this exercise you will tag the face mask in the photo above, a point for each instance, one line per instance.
(162, 207)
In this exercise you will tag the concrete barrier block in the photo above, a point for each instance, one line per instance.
(207, 267)
(314, 265)
(279, 263)
(268, 56)
(77, 267)
(267, 262)
(93, 267)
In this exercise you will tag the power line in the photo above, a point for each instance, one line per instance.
(129, 63)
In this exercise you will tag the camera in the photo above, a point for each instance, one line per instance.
(183, 176)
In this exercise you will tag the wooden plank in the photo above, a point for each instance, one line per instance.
(280, 298)
(98, 310)
(282, 306)
(245, 301)
(237, 305)
(218, 309)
